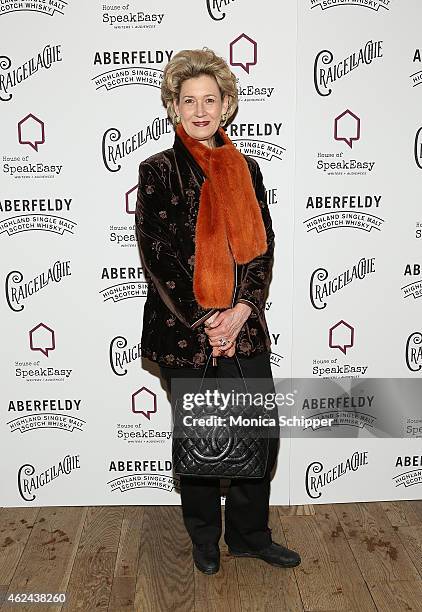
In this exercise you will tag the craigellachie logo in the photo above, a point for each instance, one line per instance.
(414, 288)
(28, 481)
(320, 288)
(121, 68)
(418, 148)
(133, 284)
(121, 356)
(327, 71)
(17, 290)
(36, 214)
(316, 478)
(373, 5)
(45, 414)
(11, 77)
(408, 477)
(139, 474)
(416, 77)
(413, 353)
(126, 17)
(45, 7)
(340, 211)
(115, 148)
(216, 8)
(256, 139)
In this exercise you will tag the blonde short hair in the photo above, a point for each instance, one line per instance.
(191, 63)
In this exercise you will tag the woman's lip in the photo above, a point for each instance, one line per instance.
(200, 123)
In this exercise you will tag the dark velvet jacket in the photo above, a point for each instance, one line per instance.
(167, 204)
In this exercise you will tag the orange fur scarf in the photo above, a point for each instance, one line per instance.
(229, 226)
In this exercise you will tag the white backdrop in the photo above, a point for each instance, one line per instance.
(329, 104)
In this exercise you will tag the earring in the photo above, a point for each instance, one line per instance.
(177, 118)
(223, 119)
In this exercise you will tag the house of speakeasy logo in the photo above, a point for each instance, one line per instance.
(410, 470)
(217, 8)
(257, 139)
(45, 7)
(29, 481)
(413, 353)
(126, 17)
(18, 289)
(316, 478)
(328, 71)
(251, 92)
(12, 74)
(123, 283)
(122, 355)
(47, 413)
(47, 214)
(31, 134)
(414, 287)
(143, 406)
(140, 474)
(373, 5)
(321, 286)
(416, 76)
(42, 343)
(119, 68)
(347, 129)
(343, 410)
(341, 337)
(115, 147)
(335, 211)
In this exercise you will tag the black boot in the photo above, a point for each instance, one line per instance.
(275, 554)
(206, 557)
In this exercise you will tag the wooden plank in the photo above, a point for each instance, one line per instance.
(122, 596)
(92, 575)
(165, 569)
(15, 529)
(376, 546)
(411, 538)
(46, 562)
(401, 513)
(304, 510)
(265, 587)
(398, 595)
(328, 577)
(219, 591)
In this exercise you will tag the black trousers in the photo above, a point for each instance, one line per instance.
(247, 500)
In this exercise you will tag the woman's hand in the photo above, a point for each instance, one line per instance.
(226, 324)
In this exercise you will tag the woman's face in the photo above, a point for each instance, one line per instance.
(200, 107)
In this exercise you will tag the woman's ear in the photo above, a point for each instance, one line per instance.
(176, 107)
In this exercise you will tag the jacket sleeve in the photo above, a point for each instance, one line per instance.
(159, 255)
(254, 287)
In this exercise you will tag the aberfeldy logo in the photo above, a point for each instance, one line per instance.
(130, 68)
(256, 139)
(338, 211)
(373, 5)
(134, 284)
(45, 214)
(327, 71)
(46, 7)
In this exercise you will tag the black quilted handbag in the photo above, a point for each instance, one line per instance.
(226, 450)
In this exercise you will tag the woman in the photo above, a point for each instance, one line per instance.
(206, 244)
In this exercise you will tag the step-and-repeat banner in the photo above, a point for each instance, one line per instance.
(330, 106)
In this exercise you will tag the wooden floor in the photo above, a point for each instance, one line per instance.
(360, 557)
